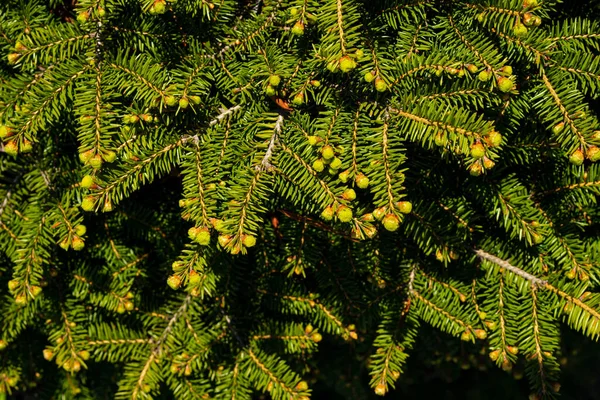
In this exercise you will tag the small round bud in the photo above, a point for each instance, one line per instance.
(77, 243)
(302, 386)
(477, 150)
(593, 153)
(194, 278)
(13, 284)
(298, 28)
(480, 334)
(343, 176)
(88, 203)
(316, 337)
(494, 355)
(80, 230)
(318, 165)
(344, 214)
(96, 161)
(84, 354)
(270, 90)
(476, 169)
(249, 241)
(327, 152)
(494, 139)
(336, 163)
(129, 305)
(484, 76)
(308, 329)
(472, 68)
(556, 129)
(5, 131)
(380, 85)
(405, 207)
(86, 182)
(381, 389)
(391, 222)
(362, 181)
(379, 213)
(11, 148)
(224, 240)
(347, 64)
(202, 236)
(327, 213)
(520, 30)
(576, 158)
(170, 100)
(349, 194)
(274, 80)
(109, 156)
(505, 84)
(174, 281)
(26, 146)
(184, 103)
(313, 140)
(85, 156)
(298, 99)
(369, 77)
(48, 354)
(83, 16)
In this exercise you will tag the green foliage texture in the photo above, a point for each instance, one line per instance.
(288, 198)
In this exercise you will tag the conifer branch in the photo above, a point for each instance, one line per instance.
(157, 349)
(509, 267)
(568, 118)
(537, 339)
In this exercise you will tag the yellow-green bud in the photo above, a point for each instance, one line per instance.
(484, 76)
(11, 148)
(362, 181)
(349, 194)
(274, 80)
(170, 100)
(298, 99)
(80, 230)
(477, 150)
(88, 203)
(249, 241)
(405, 207)
(593, 153)
(270, 90)
(391, 222)
(77, 243)
(318, 165)
(202, 237)
(327, 213)
(96, 161)
(380, 85)
(336, 163)
(505, 84)
(347, 64)
(87, 181)
(576, 157)
(298, 28)
(327, 152)
(174, 281)
(344, 214)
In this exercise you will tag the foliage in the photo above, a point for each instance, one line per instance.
(217, 199)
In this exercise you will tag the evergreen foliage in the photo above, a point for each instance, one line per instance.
(216, 199)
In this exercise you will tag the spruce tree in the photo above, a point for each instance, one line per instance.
(293, 198)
